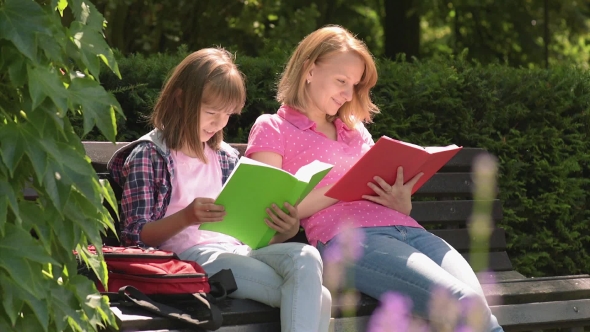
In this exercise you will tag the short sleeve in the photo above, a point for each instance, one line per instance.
(365, 135)
(266, 136)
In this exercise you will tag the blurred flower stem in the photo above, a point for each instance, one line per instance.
(485, 170)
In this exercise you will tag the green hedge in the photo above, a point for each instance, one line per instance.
(535, 121)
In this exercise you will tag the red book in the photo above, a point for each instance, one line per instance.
(383, 159)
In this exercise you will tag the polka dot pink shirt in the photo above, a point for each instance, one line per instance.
(292, 135)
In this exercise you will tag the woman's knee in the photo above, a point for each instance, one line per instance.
(326, 300)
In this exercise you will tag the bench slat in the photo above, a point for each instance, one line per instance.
(497, 260)
(461, 241)
(447, 184)
(449, 212)
(101, 152)
(561, 288)
(543, 315)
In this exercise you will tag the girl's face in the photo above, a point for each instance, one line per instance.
(332, 81)
(212, 121)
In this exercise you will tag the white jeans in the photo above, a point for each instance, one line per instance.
(285, 275)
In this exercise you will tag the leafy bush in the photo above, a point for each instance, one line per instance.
(48, 74)
(535, 121)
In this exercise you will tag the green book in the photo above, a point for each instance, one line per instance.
(254, 186)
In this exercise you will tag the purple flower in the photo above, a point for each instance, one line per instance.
(347, 247)
(392, 315)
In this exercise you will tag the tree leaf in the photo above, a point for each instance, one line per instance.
(63, 303)
(84, 214)
(12, 302)
(20, 21)
(67, 235)
(87, 14)
(17, 238)
(109, 195)
(55, 47)
(37, 303)
(57, 184)
(95, 262)
(44, 82)
(46, 119)
(97, 106)
(13, 146)
(59, 5)
(17, 69)
(93, 48)
(7, 198)
(96, 306)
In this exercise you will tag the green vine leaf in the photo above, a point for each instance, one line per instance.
(20, 22)
(7, 198)
(13, 147)
(23, 265)
(98, 106)
(44, 82)
(87, 14)
(13, 303)
(93, 48)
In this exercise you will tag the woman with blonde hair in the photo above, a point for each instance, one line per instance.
(324, 91)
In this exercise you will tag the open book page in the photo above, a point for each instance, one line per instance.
(435, 149)
(311, 174)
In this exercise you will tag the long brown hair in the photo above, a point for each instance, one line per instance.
(208, 76)
(316, 48)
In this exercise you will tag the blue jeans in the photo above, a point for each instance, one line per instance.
(413, 262)
(285, 275)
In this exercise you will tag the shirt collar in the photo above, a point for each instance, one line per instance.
(302, 122)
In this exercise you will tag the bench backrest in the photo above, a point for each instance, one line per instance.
(443, 204)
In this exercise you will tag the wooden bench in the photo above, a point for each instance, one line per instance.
(444, 205)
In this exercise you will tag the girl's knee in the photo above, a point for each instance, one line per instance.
(309, 257)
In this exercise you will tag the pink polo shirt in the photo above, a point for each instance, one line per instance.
(292, 135)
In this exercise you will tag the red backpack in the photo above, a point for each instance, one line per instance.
(149, 278)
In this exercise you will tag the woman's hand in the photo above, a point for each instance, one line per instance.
(397, 196)
(286, 224)
(203, 210)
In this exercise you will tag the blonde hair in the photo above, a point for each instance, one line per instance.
(316, 48)
(208, 76)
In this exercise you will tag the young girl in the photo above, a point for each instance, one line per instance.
(171, 176)
(324, 92)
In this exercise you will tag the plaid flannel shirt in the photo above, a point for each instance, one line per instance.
(144, 172)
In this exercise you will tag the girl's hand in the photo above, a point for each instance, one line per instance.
(396, 196)
(286, 225)
(203, 210)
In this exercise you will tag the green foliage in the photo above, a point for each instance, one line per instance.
(535, 121)
(48, 74)
(515, 32)
(520, 33)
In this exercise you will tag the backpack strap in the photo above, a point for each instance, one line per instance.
(222, 284)
(130, 295)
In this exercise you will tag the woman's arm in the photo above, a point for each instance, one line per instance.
(313, 202)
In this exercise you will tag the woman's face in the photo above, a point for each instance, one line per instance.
(332, 81)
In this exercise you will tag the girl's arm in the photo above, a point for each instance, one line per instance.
(142, 169)
(199, 211)
(313, 202)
